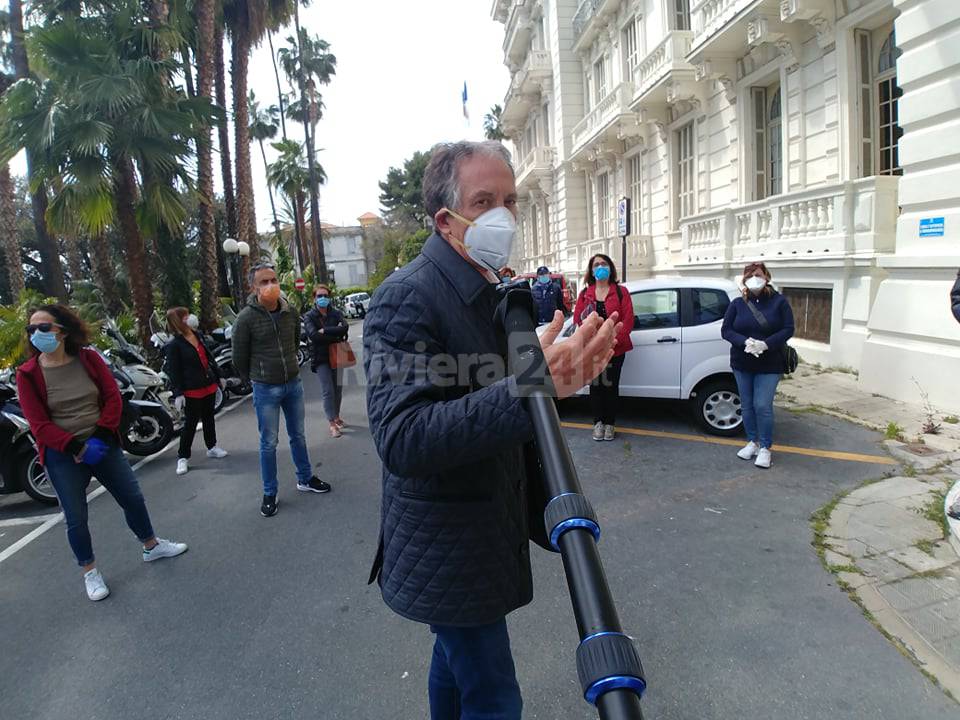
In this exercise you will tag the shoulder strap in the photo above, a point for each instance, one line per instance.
(764, 325)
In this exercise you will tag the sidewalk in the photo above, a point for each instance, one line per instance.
(890, 542)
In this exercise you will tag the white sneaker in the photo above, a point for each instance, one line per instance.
(598, 431)
(764, 458)
(96, 588)
(182, 466)
(749, 451)
(217, 452)
(164, 549)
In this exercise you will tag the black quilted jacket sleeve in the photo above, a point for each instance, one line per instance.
(416, 429)
(955, 298)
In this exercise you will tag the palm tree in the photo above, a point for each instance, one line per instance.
(49, 252)
(9, 241)
(205, 12)
(223, 130)
(289, 174)
(308, 62)
(263, 126)
(492, 125)
(105, 117)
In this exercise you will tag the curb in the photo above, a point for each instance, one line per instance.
(952, 497)
(863, 590)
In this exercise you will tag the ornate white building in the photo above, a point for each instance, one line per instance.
(820, 136)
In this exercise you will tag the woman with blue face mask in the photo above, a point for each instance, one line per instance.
(71, 400)
(603, 295)
(325, 326)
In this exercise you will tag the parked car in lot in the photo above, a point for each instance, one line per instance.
(678, 353)
(356, 305)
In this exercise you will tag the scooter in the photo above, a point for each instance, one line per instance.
(145, 425)
(20, 468)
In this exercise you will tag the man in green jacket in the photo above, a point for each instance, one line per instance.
(265, 340)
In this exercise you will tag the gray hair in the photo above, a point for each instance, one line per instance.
(441, 180)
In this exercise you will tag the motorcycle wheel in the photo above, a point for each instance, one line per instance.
(244, 388)
(301, 356)
(34, 481)
(149, 434)
(219, 400)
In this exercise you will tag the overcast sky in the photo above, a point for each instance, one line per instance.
(400, 73)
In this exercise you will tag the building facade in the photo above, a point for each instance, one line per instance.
(819, 136)
(344, 250)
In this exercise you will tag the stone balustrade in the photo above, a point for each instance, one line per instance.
(669, 55)
(614, 103)
(851, 219)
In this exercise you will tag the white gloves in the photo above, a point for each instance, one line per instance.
(179, 402)
(755, 347)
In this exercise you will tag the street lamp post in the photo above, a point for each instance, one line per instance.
(236, 250)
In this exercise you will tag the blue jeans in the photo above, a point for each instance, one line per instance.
(70, 479)
(756, 404)
(472, 676)
(268, 401)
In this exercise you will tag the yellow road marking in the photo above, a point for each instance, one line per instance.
(811, 452)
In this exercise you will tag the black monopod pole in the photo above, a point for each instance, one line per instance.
(608, 664)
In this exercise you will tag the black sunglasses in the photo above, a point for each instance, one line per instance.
(42, 327)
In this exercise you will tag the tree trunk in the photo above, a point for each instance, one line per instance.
(276, 74)
(207, 245)
(300, 221)
(135, 250)
(47, 245)
(187, 71)
(246, 215)
(273, 207)
(316, 231)
(104, 274)
(9, 241)
(223, 128)
(71, 248)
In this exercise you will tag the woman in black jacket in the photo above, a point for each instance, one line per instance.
(194, 378)
(325, 326)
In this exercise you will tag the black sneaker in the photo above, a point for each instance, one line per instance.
(315, 485)
(269, 506)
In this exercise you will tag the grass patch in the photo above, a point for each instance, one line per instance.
(951, 419)
(893, 432)
(933, 511)
(820, 522)
(845, 568)
(925, 546)
(910, 470)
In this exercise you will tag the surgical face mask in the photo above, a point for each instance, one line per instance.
(322, 301)
(45, 342)
(601, 273)
(755, 284)
(489, 238)
(543, 279)
(193, 322)
(269, 293)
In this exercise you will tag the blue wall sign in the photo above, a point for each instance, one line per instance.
(931, 227)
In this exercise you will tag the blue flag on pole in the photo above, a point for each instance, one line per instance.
(465, 113)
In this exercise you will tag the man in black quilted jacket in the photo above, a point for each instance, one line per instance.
(955, 298)
(449, 427)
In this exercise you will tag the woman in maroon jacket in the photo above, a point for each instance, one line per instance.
(71, 401)
(603, 295)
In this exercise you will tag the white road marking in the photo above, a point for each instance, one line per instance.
(32, 520)
(54, 519)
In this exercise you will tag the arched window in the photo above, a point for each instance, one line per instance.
(888, 54)
(768, 141)
(888, 100)
(775, 144)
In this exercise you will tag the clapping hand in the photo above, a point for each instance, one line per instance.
(755, 347)
(583, 357)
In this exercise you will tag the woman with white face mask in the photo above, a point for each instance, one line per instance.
(194, 377)
(757, 326)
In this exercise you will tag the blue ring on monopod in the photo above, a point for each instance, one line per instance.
(571, 524)
(615, 682)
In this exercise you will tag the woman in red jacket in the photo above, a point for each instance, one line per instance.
(71, 401)
(603, 295)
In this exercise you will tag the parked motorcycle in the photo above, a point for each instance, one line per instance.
(145, 425)
(20, 468)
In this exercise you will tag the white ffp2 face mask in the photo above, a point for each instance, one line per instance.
(489, 238)
(755, 284)
(193, 322)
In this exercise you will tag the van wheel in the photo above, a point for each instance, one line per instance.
(716, 407)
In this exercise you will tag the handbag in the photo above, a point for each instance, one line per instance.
(791, 359)
(341, 355)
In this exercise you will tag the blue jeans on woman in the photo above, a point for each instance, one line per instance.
(756, 404)
(268, 401)
(472, 676)
(70, 479)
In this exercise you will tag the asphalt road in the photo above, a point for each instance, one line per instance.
(709, 559)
